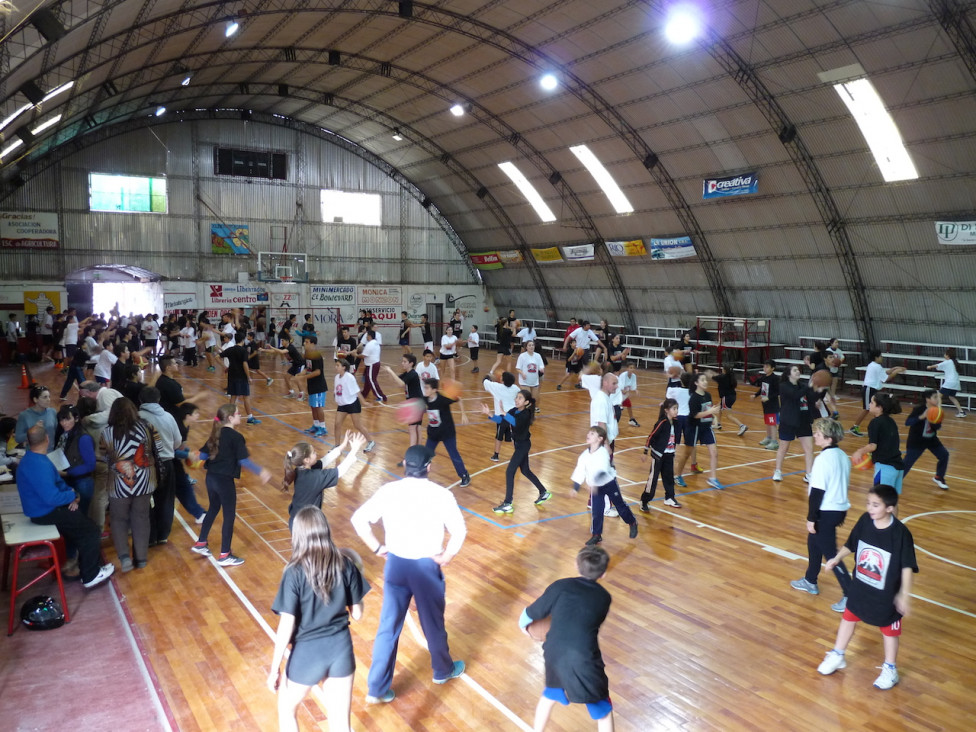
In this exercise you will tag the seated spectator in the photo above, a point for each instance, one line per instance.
(40, 413)
(47, 500)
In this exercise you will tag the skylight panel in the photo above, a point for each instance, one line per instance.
(603, 178)
(528, 190)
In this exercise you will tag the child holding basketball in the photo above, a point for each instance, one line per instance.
(574, 365)
(950, 375)
(440, 426)
(573, 663)
(880, 591)
(874, 376)
(768, 392)
(884, 442)
(225, 453)
(320, 588)
(662, 442)
(520, 418)
(309, 475)
(923, 434)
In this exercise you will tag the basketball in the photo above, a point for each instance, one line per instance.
(934, 415)
(450, 388)
(192, 462)
(353, 556)
(578, 353)
(821, 379)
(538, 629)
(674, 372)
(866, 463)
(834, 361)
(410, 412)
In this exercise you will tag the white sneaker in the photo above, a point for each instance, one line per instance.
(611, 512)
(806, 477)
(887, 678)
(805, 585)
(742, 430)
(840, 606)
(832, 661)
(774, 445)
(369, 446)
(106, 571)
(764, 441)
(958, 414)
(777, 475)
(941, 483)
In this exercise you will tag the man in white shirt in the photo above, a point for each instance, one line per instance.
(370, 350)
(415, 512)
(584, 336)
(47, 332)
(601, 407)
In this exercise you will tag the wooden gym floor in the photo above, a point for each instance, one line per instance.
(704, 632)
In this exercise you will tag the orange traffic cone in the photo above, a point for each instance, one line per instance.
(24, 381)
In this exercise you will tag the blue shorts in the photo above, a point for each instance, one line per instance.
(295, 369)
(788, 433)
(947, 392)
(238, 387)
(316, 400)
(887, 475)
(597, 710)
(699, 434)
(404, 341)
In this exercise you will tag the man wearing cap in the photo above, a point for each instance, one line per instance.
(414, 511)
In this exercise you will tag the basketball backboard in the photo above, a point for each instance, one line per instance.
(282, 267)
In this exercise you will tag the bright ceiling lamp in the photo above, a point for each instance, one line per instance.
(186, 80)
(231, 28)
(528, 190)
(50, 122)
(549, 82)
(683, 24)
(457, 110)
(160, 111)
(10, 148)
(603, 178)
(877, 126)
(15, 115)
(54, 92)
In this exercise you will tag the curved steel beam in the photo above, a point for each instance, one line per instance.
(954, 19)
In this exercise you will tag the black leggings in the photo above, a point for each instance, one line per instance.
(824, 544)
(520, 461)
(663, 468)
(222, 493)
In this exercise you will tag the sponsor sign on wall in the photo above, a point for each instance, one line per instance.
(486, 260)
(956, 233)
(632, 248)
(578, 253)
(550, 254)
(36, 302)
(229, 239)
(234, 295)
(676, 248)
(370, 296)
(23, 230)
(510, 256)
(180, 301)
(736, 185)
(328, 296)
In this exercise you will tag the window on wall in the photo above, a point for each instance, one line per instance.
(343, 207)
(126, 193)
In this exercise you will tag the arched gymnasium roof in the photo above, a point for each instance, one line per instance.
(823, 237)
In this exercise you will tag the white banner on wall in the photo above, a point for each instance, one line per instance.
(28, 230)
(327, 296)
(234, 295)
(180, 301)
(370, 295)
(956, 233)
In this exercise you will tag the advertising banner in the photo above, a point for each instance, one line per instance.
(550, 254)
(485, 260)
(180, 301)
(36, 302)
(578, 253)
(28, 230)
(369, 296)
(677, 248)
(633, 248)
(736, 185)
(510, 256)
(327, 296)
(229, 239)
(956, 233)
(234, 295)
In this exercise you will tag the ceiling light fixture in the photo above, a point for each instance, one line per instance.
(15, 115)
(10, 148)
(54, 92)
(396, 135)
(683, 24)
(160, 111)
(549, 82)
(457, 110)
(603, 178)
(528, 190)
(186, 80)
(232, 27)
(45, 124)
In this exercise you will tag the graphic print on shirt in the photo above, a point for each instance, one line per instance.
(433, 418)
(338, 389)
(671, 442)
(872, 565)
(705, 407)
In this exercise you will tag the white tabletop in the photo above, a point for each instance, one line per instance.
(17, 529)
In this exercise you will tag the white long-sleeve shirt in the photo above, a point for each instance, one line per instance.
(504, 395)
(593, 468)
(415, 513)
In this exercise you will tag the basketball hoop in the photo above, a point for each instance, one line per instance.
(287, 279)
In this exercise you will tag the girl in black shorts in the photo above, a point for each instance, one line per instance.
(321, 587)
(504, 347)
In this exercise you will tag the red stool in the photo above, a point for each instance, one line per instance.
(32, 551)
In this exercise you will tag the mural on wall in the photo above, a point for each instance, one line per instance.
(226, 239)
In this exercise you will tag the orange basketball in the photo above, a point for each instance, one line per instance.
(866, 463)
(821, 379)
(674, 372)
(934, 415)
(578, 353)
(538, 629)
(834, 361)
(450, 388)
(410, 412)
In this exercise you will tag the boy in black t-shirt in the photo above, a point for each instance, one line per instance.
(884, 555)
(574, 665)
(254, 358)
(318, 387)
(239, 376)
(440, 426)
(413, 389)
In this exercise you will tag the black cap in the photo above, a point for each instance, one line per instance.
(417, 456)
